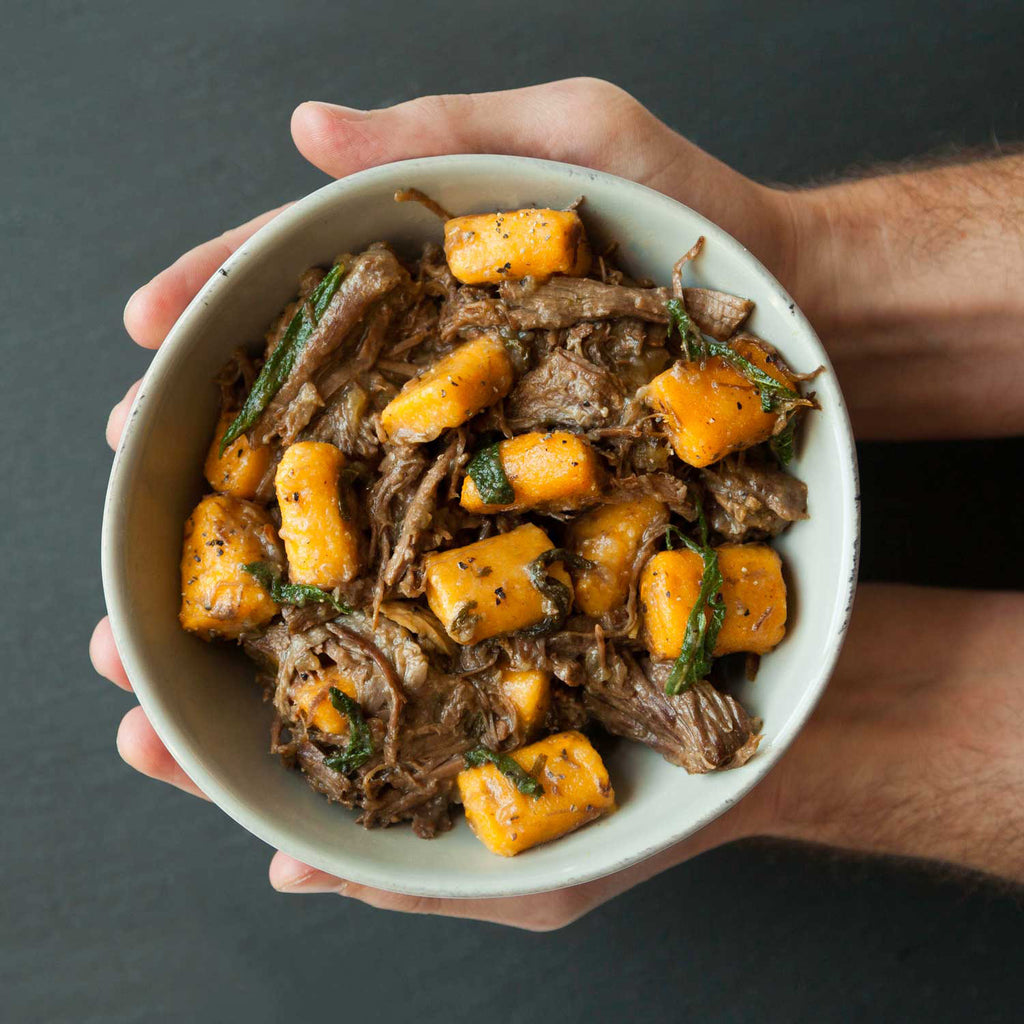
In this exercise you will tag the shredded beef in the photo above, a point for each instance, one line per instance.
(566, 390)
(700, 730)
(716, 313)
(663, 486)
(348, 423)
(371, 276)
(753, 499)
(564, 301)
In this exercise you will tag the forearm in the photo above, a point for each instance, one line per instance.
(915, 283)
(915, 749)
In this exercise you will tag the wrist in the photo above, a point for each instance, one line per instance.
(918, 247)
(914, 750)
(911, 276)
(836, 252)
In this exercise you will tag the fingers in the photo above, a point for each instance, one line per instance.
(543, 912)
(137, 742)
(104, 657)
(140, 747)
(540, 912)
(152, 311)
(119, 415)
(581, 120)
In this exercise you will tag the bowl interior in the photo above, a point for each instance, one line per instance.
(201, 697)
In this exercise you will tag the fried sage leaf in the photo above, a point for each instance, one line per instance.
(298, 594)
(706, 617)
(487, 472)
(557, 596)
(280, 362)
(689, 333)
(783, 444)
(508, 767)
(360, 741)
(697, 348)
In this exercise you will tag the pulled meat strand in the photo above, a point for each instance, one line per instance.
(372, 275)
(752, 499)
(390, 676)
(417, 518)
(677, 271)
(701, 730)
(414, 195)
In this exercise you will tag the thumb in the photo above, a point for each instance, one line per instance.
(580, 120)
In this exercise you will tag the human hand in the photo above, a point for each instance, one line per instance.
(908, 278)
(913, 751)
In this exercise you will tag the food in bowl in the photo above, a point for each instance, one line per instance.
(470, 506)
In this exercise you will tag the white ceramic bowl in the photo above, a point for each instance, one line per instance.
(201, 698)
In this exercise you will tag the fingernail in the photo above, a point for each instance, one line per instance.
(290, 875)
(337, 110)
(129, 313)
(108, 431)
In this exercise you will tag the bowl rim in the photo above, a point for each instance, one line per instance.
(262, 824)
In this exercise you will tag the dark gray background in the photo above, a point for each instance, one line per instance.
(131, 132)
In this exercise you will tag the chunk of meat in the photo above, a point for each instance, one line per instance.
(423, 798)
(753, 499)
(567, 390)
(701, 730)
(564, 301)
(716, 313)
(352, 361)
(418, 516)
(348, 423)
(665, 487)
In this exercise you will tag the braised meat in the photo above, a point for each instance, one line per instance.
(465, 514)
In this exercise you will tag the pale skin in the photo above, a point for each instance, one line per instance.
(912, 280)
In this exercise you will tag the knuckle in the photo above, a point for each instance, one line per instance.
(446, 113)
(553, 913)
(598, 90)
(597, 103)
(361, 146)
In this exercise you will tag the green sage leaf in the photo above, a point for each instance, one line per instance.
(487, 472)
(360, 740)
(698, 349)
(299, 594)
(281, 361)
(557, 596)
(508, 767)
(706, 616)
(783, 444)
